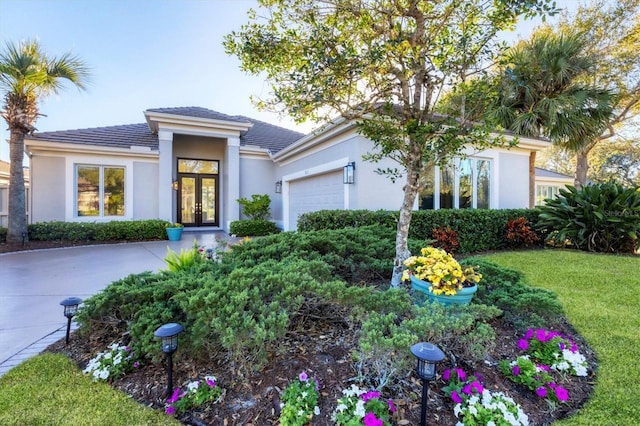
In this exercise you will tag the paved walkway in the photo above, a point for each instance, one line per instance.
(32, 284)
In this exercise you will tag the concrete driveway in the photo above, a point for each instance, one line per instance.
(32, 284)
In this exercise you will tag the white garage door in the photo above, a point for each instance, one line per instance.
(321, 192)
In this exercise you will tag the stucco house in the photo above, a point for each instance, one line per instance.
(191, 164)
(549, 183)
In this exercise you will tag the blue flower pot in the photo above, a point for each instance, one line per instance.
(174, 234)
(462, 297)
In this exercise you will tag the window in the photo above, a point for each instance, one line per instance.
(545, 191)
(468, 185)
(100, 191)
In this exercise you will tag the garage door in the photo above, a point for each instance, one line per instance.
(320, 192)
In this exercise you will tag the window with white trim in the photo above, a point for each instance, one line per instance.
(99, 191)
(465, 185)
(545, 191)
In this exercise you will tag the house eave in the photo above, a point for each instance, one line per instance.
(34, 146)
(156, 120)
(316, 137)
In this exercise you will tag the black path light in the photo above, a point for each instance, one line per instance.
(428, 356)
(70, 308)
(169, 335)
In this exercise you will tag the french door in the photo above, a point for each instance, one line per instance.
(197, 199)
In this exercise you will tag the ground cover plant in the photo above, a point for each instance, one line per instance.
(313, 302)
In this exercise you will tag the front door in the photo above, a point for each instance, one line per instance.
(197, 198)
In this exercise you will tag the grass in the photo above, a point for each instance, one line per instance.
(601, 298)
(50, 390)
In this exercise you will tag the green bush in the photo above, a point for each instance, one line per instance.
(600, 218)
(253, 228)
(134, 230)
(3, 235)
(523, 306)
(258, 208)
(477, 229)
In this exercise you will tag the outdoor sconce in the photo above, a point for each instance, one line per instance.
(347, 173)
(174, 185)
(70, 308)
(428, 355)
(279, 187)
(169, 335)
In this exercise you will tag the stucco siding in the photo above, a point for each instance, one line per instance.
(145, 190)
(513, 182)
(376, 191)
(48, 175)
(258, 178)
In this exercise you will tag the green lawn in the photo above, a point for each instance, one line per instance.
(601, 297)
(51, 390)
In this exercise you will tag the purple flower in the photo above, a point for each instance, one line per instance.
(446, 374)
(523, 344)
(541, 335)
(136, 364)
(541, 392)
(461, 374)
(370, 395)
(544, 367)
(211, 383)
(561, 345)
(175, 396)
(551, 385)
(392, 406)
(170, 410)
(317, 383)
(562, 394)
(529, 334)
(515, 370)
(455, 397)
(477, 386)
(371, 420)
(479, 377)
(467, 389)
(303, 376)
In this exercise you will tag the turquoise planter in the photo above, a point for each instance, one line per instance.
(462, 297)
(174, 234)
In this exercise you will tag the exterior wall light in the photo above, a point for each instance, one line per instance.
(428, 355)
(348, 176)
(169, 335)
(174, 185)
(70, 309)
(279, 187)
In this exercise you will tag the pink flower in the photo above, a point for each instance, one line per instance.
(541, 392)
(461, 374)
(467, 389)
(303, 376)
(544, 367)
(211, 383)
(455, 397)
(523, 344)
(371, 420)
(529, 334)
(370, 395)
(170, 410)
(175, 396)
(391, 405)
(446, 374)
(477, 386)
(562, 394)
(515, 370)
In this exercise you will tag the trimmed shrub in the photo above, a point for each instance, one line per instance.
(253, 228)
(446, 239)
(520, 234)
(257, 208)
(599, 218)
(477, 229)
(134, 230)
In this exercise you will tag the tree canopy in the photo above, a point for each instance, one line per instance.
(384, 63)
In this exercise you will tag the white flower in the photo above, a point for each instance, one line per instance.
(107, 355)
(304, 394)
(300, 413)
(316, 410)
(193, 386)
(212, 378)
(457, 409)
(360, 412)
(341, 407)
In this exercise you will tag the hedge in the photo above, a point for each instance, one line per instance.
(478, 229)
(134, 230)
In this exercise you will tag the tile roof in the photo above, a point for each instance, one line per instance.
(264, 135)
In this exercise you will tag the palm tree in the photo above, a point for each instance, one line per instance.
(541, 91)
(26, 76)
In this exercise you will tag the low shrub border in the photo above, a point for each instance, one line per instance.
(134, 230)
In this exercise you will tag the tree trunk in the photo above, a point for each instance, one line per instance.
(402, 234)
(17, 229)
(532, 179)
(582, 167)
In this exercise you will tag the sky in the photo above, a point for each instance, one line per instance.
(142, 54)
